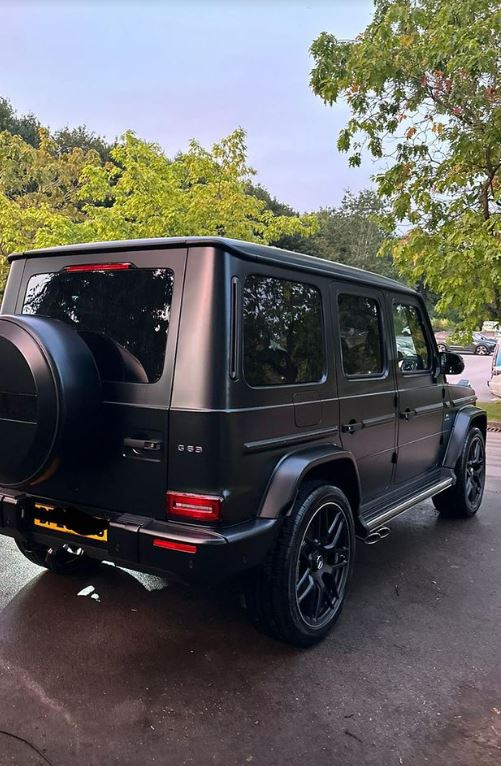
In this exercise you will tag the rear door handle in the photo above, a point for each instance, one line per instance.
(350, 428)
(143, 445)
(408, 414)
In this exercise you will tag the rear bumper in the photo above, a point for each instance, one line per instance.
(139, 542)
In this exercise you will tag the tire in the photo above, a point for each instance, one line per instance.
(64, 560)
(298, 593)
(463, 500)
(481, 350)
(441, 347)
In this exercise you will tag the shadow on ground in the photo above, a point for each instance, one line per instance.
(157, 672)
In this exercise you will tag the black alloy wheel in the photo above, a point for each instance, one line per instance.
(475, 471)
(464, 498)
(323, 565)
(298, 593)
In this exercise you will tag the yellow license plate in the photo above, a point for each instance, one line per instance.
(53, 526)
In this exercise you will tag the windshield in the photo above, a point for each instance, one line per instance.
(122, 314)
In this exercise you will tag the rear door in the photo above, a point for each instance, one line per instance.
(366, 385)
(420, 396)
(126, 307)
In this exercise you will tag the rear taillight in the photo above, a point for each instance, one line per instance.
(195, 507)
(82, 267)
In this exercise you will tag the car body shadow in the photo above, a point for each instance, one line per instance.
(159, 663)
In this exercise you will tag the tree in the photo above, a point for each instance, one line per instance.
(272, 203)
(39, 192)
(81, 137)
(53, 198)
(422, 84)
(296, 241)
(350, 234)
(200, 192)
(26, 126)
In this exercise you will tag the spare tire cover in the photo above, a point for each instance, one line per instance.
(49, 395)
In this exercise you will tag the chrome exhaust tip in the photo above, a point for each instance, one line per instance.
(376, 536)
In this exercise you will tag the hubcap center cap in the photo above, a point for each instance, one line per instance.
(318, 561)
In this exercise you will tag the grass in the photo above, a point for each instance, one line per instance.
(493, 410)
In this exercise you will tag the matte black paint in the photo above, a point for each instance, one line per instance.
(465, 418)
(47, 362)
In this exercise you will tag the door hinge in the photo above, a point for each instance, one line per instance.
(394, 457)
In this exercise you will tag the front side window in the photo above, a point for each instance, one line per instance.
(123, 315)
(361, 335)
(413, 350)
(283, 338)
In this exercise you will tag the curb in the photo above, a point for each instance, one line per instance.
(493, 425)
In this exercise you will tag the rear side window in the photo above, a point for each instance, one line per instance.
(361, 335)
(123, 315)
(413, 350)
(283, 338)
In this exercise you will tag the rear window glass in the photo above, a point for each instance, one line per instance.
(123, 315)
(283, 339)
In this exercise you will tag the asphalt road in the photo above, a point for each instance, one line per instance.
(477, 369)
(153, 673)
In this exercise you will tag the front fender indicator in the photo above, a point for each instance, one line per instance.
(184, 505)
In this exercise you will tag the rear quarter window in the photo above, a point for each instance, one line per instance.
(283, 335)
(123, 315)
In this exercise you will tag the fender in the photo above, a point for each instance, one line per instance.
(462, 424)
(282, 489)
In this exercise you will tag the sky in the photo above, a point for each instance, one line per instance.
(172, 71)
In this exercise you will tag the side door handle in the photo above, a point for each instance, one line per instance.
(408, 414)
(351, 427)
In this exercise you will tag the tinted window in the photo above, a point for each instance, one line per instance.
(413, 352)
(361, 336)
(283, 341)
(122, 315)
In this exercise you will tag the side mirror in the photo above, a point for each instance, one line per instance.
(451, 364)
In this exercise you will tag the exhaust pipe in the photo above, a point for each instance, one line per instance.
(376, 536)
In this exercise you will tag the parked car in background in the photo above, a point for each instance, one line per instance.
(495, 382)
(480, 344)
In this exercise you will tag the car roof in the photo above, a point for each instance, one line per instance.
(248, 250)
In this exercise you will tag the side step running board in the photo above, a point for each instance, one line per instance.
(396, 510)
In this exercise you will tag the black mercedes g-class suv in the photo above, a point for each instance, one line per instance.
(210, 407)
